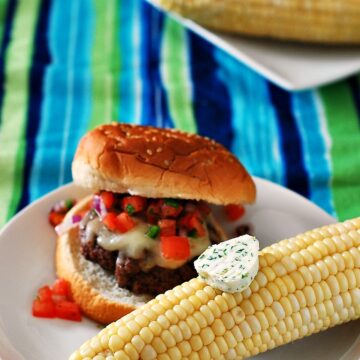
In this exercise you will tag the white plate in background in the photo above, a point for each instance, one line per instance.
(293, 66)
(27, 246)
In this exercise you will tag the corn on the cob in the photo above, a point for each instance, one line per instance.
(327, 21)
(305, 284)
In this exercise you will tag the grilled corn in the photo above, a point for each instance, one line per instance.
(305, 284)
(324, 21)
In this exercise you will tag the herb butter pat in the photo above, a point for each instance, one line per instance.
(230, 266)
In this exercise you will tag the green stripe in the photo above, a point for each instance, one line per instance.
(176, 76)
(17, 69)
(106, 63)
(3, 11)
(343, 124)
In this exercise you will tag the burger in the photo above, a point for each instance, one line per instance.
(149, 215)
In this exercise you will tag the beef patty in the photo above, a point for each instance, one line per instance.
(127, 271)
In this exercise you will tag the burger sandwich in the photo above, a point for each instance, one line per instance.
(149, 215)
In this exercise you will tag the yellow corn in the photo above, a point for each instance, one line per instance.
(328, 21)
(305, 284)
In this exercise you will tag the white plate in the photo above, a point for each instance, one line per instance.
(290, 65)
(27, 246)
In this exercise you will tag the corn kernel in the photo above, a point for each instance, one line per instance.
(148, 353)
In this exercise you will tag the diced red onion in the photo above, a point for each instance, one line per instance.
(96, 203)
(68, 224)
(76, 218)
(99, 206)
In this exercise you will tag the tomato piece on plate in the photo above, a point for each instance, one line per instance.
(175, 247)
(62, 287)
(43, 309)
(68, 310)
(108, 199)
(125, 222)
(234, 212)
(167, 227)
(110, 221)
(55, 218)
(45, 293)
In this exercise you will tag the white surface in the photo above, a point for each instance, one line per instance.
(27, 246)
(293, 66)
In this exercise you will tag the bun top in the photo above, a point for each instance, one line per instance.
(155, 162)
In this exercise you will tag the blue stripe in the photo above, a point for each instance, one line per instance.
(314, 148)
(155, 110)
(256, 138)
(212, 104)
(292, 152)
(10, 12)
(79, 112)
(63, 85)
(40, 60)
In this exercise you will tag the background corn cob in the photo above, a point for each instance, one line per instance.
(326, 21)
(304, 285)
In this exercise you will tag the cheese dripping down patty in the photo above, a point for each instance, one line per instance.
(137, 245)
(230, 266)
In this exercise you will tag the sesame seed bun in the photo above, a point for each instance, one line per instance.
(155, 162)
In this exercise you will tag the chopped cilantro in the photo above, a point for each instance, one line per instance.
(153, 231)
(130, 209)
(172, 202)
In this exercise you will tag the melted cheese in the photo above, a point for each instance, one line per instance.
(137, 245)
(133, 243)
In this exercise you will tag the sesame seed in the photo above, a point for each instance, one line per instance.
(154, 138)
(166, 162)
(149, 151)
(159, 150)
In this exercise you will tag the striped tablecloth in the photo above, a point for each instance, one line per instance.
(69, 65)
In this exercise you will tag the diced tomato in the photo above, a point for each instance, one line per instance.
(171, 209)
(234, 212)
(192, 222)
(204, 208)
(175, 247)
(133, 204)
(45, 293)
(196, 224)
(108, 199)
(68, 310)
(43, 309)
(55, 218)
(110, 221)
(153, 212)
(62, 287)
(167, 227)
(184, 220)
(125, 222)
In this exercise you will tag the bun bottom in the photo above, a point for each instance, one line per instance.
(94, 289)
